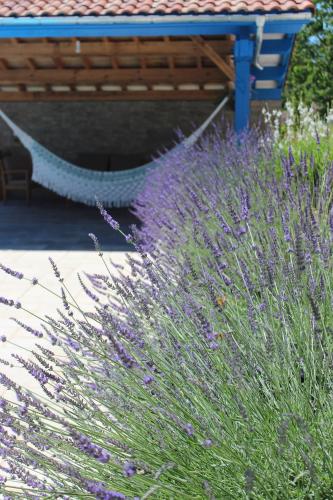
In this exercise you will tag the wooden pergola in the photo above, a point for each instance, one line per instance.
(121, 68)
(120, 50)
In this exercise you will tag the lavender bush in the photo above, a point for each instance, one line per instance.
(206, 373)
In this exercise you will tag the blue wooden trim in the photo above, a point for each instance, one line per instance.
(270, 72)
(33, 30)
(55, 27)
(288, 27)
(243, 55)
(286, 55)
(266, 94)
(286, 59)
(278, 73)
(276, 46)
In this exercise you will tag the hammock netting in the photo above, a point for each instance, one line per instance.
(117, 188)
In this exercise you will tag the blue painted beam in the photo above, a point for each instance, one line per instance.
(286, 55)
(58, 27)
(285, 26)
(266, 94)
(243, 56)
(276, 46)
(34, 30)
(270, 73)
(278, 73)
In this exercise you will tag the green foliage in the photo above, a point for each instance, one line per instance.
(306, 132)
(310, 76)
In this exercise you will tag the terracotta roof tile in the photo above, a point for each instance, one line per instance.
(35, 8)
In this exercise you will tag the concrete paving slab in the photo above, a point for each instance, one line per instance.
(37, 300)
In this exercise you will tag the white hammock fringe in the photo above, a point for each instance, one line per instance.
(117, 189)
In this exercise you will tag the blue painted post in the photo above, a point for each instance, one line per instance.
(243, 55)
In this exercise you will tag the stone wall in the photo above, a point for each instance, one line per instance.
(120, 128)
(69, 128)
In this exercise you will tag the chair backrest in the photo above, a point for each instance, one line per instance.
(2, 172)
(17, 159)
(16, 165)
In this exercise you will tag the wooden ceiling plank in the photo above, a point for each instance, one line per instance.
(149, 95)
(207, 49)
(100, 48)
(106, 75)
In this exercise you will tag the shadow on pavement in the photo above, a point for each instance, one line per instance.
(58, 224)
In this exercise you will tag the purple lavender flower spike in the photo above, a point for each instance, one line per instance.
(188, 428)
(226, 280)
(129, 469)
(245, 204)
(55, 268)
(88, 292)
(129, 238)
(3, 403)
(287, 236)
(64, 300)
(96, 243)
(11, 272)
(101, 493)
(148, 379)
(28, 328)
(91, 449)
(107, 217)
(6, 302)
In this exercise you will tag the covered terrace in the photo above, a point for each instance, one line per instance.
(105, 84)
(115, 50)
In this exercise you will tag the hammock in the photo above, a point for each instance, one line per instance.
(79, 184)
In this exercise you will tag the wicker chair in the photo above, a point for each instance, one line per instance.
(15, 172)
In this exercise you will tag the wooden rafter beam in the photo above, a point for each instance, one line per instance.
(31, 63)
(149, 95)
(108, 48)
(102, 75)
(208, 50)
(114, 62)
(59, 62)
(3, 64)
(143, 62)
(87, 62)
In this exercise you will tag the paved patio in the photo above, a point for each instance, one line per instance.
(28, 236)
(53, 223)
